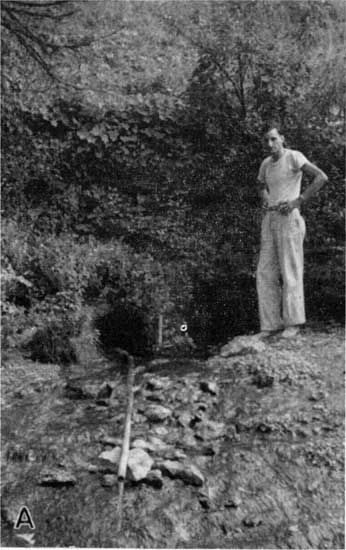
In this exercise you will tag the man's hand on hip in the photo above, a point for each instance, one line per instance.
(286, 208)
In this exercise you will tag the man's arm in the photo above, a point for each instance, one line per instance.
(263, 192)
(319, 179)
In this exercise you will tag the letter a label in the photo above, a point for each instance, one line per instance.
(24, 518)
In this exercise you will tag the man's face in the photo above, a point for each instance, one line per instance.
(274, 141)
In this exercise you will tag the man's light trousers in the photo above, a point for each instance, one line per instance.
(280, 271)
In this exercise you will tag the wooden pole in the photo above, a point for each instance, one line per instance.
(160, 331)
(126, 438)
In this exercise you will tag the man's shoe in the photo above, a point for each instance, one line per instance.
(290, 332)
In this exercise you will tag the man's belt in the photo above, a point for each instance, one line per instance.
(273, 208)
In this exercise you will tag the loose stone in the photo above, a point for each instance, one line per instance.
(189, 473)
(109, 480)
(156, 397)
(56, 477)
(159, 362)
(139, 464)
(157, 384)
(233, 502)
(160, 430)
(210, 429)
(157, 413)
(252, 521)
(184, 419)
(142, 444)
(209, 387)
(110, 440)
(189, 441)
(113, 455)
(106, 390)
(172, 454)
(76, 390)
(242, 345)
(154, 478)
(157, 443)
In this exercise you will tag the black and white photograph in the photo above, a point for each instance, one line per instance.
(173, 274)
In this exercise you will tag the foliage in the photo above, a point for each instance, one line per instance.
(51, 280)
(142, 130)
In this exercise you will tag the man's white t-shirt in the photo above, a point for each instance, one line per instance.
(282, 177)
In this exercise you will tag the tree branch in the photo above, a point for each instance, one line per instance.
(35, 54)
(241, 85)
(47, 4)
(37, 14)
(210, 52)
(18, 28)
(45, 45)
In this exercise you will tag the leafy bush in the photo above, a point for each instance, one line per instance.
(325, 284)
(62, 276)
(132, 290)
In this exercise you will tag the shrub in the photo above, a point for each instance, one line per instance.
(132, 290)
(325, 284)
(62, 276)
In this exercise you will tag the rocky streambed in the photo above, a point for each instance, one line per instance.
(244, 450)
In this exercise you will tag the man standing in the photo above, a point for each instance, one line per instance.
(281, 306)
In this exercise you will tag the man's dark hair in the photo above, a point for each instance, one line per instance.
(273, 125)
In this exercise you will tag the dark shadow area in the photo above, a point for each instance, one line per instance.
(126, 327)
(222, 309)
